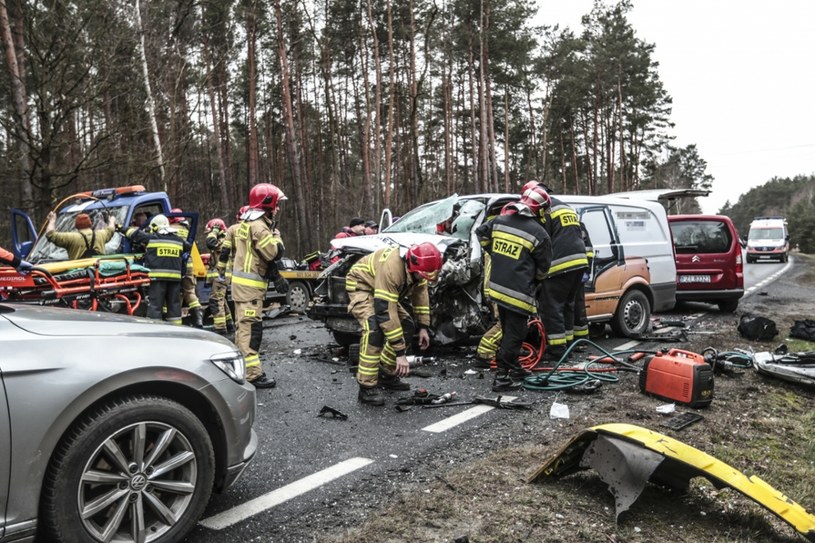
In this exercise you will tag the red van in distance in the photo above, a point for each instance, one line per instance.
(709, 266)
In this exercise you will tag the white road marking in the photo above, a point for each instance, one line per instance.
(464, 416)
(627, 346)
(769, 279)
(274, 498)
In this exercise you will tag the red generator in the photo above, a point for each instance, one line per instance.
(680, 376)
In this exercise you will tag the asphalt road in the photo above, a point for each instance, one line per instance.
(308, 466)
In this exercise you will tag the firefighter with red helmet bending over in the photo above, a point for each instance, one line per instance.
(376, 285)
(257, 247)
(521, 252)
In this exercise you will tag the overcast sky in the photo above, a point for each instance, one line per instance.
(742, 78)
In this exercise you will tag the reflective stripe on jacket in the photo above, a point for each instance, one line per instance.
(385, 274)
(162, 253)
(256, 248)
(520, 253)
(568, 249)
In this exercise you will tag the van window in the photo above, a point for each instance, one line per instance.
(701, 237)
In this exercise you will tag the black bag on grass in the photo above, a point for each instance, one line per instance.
(757, 327)
(804, 329)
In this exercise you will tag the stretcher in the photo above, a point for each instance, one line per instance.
(111, 283)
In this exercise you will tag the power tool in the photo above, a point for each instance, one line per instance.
(680, 376)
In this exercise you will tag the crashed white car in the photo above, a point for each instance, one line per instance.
(618, 291)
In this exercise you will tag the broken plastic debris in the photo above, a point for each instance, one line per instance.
(470, 372)
(559, 411)
(298, 351)
(393, 456)
(666, 408)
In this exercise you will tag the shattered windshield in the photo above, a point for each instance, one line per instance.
(453, 216)
(45, 251)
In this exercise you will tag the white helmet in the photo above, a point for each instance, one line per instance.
(158, 222)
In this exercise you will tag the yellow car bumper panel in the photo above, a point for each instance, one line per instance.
(626, 457)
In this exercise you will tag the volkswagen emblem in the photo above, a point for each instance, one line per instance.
(695, 258)
(138, 482)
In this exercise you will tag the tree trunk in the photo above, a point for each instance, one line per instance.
(377, 124)
(151, 105)
(20, 101)
(391, 106)
(292, 145)
(506, 139)
(251, 68)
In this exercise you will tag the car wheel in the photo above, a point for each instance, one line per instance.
(728, 306)
(345, 339)
(785, 258)
(633, 314)
(138, 469)
(298, 296)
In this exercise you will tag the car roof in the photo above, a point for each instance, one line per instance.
(723, 218)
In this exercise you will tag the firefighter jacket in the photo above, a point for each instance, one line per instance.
(587, 242)
(215, 241)
(568, 249)
(7, 257)
(226, 258)
(256, 250)
(520, 254)
(384, 274)
(80, 241)
(163, 252)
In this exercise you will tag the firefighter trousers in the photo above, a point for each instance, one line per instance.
(218, 307)
(164, 294)
(188, 297)
(556, 309)
(249, 334)
(515, 327)
(581, 319)
(375, 354)
(490, 342)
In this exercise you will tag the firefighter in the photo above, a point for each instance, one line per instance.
(189, 298)
(257, 247)
(218, 308)
(9, 258)
(226, 260)
(520, 252)
(376, 284)
(164, 256)
(355, 228)
(556, 304)
(85, 242)
(581, 320)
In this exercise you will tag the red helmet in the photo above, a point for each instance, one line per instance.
(176, 220)
(215, 223)
(241, 211)
(424, 259)
(537, 199)
(264, 196)
(530, 185)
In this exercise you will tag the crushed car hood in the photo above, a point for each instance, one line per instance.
(47, 321)
(403, 239)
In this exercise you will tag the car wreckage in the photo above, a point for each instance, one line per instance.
(617, 290)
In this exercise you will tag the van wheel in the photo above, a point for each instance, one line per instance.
(785, 257)
(728, 306)
(633, 314)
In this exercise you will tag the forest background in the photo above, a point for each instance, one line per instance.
(350, 106)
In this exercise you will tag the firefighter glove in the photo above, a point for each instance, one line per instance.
(281, 285)
(25, 267)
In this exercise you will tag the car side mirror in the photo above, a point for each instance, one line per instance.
(742, 243)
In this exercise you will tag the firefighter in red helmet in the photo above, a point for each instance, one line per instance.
(257, 247)
(521, 253)
(376, 285)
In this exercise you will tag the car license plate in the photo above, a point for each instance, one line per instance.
(694, 279)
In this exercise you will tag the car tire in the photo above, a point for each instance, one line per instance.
(98, 471)
(728, 306)
(633, 314)
(298, 296)
(785, 258)
(345, 339)
(750, 260)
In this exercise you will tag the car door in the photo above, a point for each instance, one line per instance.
(5, 453)
(23, 234)
(603, 287)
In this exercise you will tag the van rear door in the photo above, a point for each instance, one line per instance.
(705, 253)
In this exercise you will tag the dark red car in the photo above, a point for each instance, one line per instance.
(709, 266)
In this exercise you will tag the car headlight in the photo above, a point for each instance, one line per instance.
(231, 364)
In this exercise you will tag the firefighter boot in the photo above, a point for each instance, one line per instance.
(504, 383)
(264, 381)
(370, 396)
(230, 326)
(392, 382)
(197, 315)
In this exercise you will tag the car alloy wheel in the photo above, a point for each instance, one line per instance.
(135, 470)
